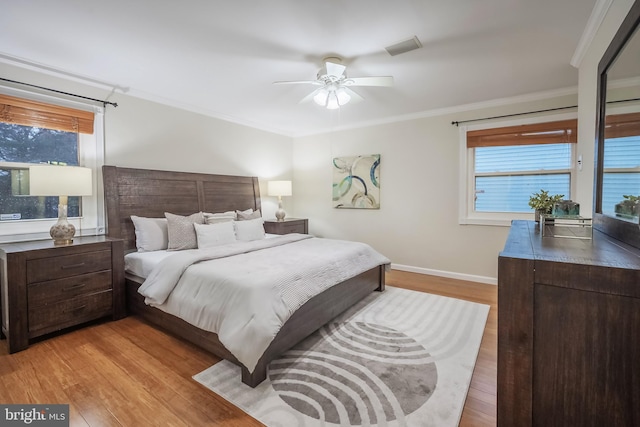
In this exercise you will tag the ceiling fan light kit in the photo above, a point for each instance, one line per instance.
(332, 97)
(334, 91)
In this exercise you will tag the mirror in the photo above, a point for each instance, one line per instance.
(617, 198)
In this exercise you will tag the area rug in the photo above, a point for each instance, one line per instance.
(398, 358)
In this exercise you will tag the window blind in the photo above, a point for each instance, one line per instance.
(564, 131)
(26, 112)
(622, 125)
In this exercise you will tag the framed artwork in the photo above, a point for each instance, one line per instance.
(356, 182)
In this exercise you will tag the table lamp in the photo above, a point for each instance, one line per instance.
(279, 188)
(61, 181)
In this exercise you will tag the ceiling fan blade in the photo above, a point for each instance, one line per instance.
(334, 69)
(309, 97)
(369, 81)
(354, 96)
(295, 82)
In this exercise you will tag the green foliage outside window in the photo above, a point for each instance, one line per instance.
(26, 144)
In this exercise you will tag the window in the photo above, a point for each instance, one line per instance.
(55, 131)
(504, 165)
(21, 145)
(621, 174)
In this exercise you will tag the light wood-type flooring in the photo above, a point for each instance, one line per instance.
(127, 373)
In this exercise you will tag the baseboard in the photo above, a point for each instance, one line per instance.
(449, 274)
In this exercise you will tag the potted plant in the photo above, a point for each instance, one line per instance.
(629, 208)
(543, 203)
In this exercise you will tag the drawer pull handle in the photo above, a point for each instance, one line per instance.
(72, 287)
(74, 309)
(64, 267)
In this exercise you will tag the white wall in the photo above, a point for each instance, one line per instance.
(417, 223)
(587, 86)
(145, 134)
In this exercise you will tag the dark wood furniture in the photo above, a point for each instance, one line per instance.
(151, 193)
(289, 225)
(568, 322)
(46, 288)
(628, 34)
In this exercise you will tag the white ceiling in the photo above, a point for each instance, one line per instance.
(220, 57)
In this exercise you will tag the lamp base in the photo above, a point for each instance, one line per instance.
(62, 232)
(280, 213)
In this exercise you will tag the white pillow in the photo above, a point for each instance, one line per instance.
(210, 235)
(151, 233)
(246, 215)
(213, 218)
(180, 229)
(248, 230)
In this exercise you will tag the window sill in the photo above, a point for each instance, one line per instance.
(496, 220)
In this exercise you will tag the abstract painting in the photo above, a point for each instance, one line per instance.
(356, 182)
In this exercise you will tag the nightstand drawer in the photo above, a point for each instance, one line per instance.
(43, 269)
(292, 228)
(54, 291)
(289, 225)
(70, 312)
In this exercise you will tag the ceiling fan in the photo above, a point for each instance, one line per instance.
(334, 86)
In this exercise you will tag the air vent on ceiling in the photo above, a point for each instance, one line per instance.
(404, 46)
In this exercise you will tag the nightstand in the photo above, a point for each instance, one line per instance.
(45, 288)
(289, 225)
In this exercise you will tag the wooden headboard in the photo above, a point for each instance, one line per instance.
(151, 193)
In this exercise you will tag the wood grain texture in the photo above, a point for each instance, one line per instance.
(150, 193)
(49, 288)
(566, 351)
(127, 373)
(289, 225)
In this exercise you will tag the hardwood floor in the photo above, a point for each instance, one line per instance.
(127, 373)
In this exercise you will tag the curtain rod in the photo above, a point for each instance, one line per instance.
(104, 103)
(457, 123)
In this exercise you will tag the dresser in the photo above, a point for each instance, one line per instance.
(46, 288)
(568, 331)
(289, 225)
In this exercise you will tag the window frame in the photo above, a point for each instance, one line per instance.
(90, 154)
(466, 213)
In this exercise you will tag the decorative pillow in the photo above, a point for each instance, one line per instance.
(245, 216)
(210, 235)
(151, 233)
(213, 218)
(248, 230)
(181, 233)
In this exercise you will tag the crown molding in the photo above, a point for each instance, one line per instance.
(114, 88)
(598, 13)
(498, 102)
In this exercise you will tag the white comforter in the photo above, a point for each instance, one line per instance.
(246, 291)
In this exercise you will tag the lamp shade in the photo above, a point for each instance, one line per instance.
(279, 188)
(51, 180)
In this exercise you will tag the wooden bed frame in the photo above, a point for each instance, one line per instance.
(151, 193)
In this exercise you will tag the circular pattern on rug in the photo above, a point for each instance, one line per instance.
(355, 374)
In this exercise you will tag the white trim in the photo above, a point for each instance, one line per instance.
(499, 102)
(623, 83)
(598, 13)
(90, 154)
(466, 168)
(56, 72)
(448, 274)
(10, 90)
